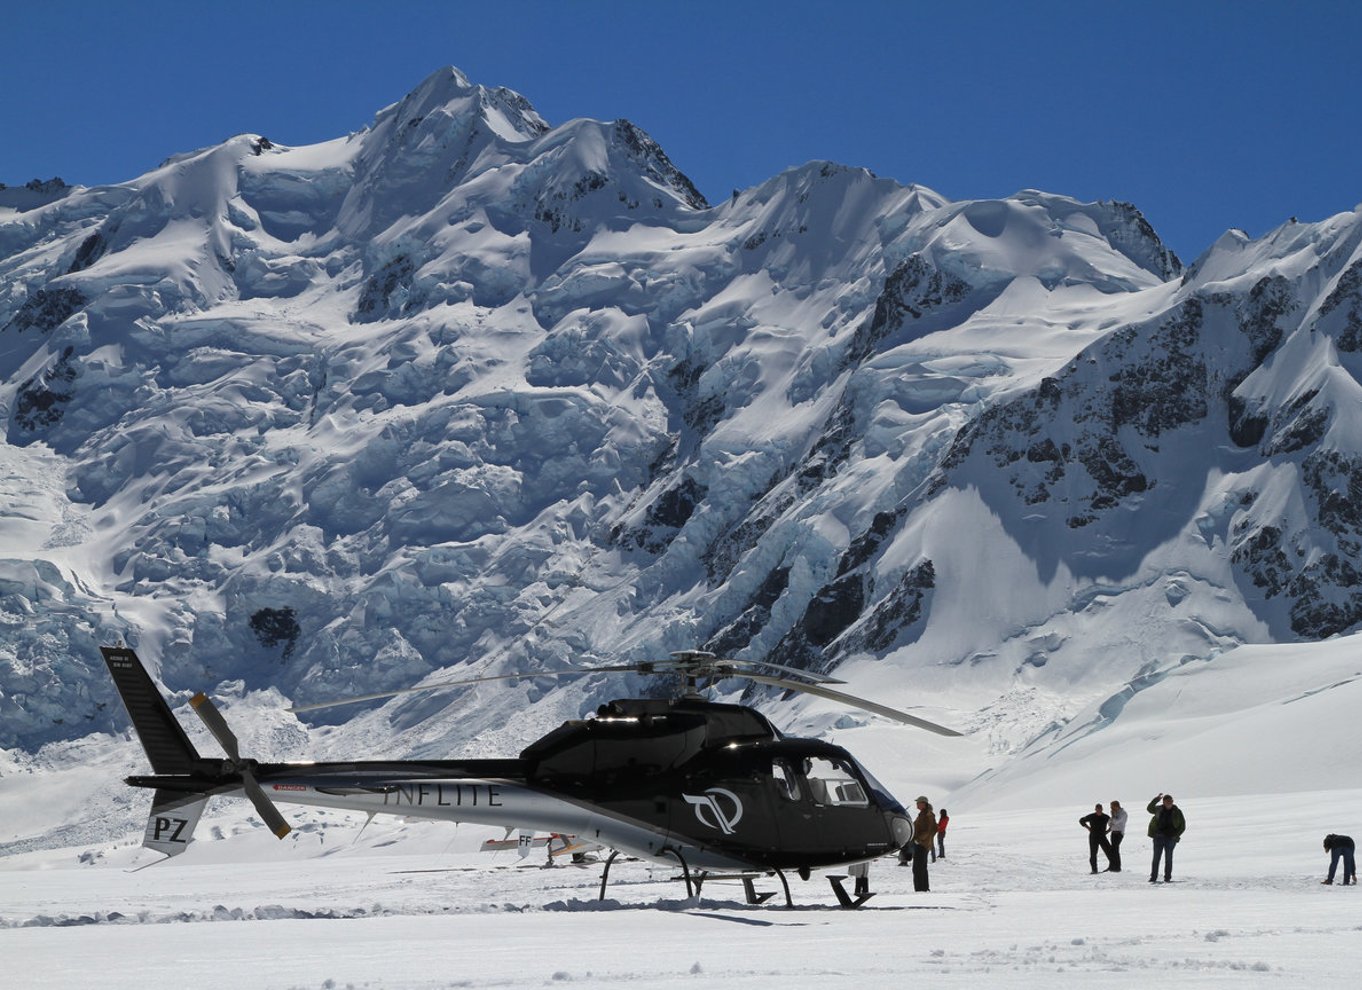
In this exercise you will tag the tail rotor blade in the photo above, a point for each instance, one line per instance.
(226, 738)
(269, 814)
(216, 724)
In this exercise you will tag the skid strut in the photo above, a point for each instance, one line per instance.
(605, 874)
(692, 889)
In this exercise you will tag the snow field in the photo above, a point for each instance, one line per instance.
(413, 906)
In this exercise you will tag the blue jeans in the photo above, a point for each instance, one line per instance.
(1349, 870)
(1163, 846)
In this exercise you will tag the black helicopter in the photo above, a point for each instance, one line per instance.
(714, 788)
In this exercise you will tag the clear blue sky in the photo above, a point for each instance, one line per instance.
(1206, 115)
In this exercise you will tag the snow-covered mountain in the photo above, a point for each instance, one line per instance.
(464, 392)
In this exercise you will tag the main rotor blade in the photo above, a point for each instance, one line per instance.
(855, 702)
(708, 665)
(463, 682)
(269, 814)
(216, 724)
(806, 674)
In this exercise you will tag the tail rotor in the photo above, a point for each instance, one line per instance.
(222, 732)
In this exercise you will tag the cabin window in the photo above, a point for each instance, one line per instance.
(831, 782)
(787, 784)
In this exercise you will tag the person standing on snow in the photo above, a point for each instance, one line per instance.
(1165, 828)
(1117, 833)
(1097, 824)
(942, 820)
(1340, 847)
(924, 832)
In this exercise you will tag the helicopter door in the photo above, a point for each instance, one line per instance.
(821, 804)
(795, 814)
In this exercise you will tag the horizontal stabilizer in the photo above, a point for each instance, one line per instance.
(174, 815)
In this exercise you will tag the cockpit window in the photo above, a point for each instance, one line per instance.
(883, 797)
(831, 782)
(787, 784)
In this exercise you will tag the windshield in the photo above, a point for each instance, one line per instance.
(881, 793)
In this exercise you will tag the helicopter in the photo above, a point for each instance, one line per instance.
(711, 787)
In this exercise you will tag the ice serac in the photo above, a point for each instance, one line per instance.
(466, 392)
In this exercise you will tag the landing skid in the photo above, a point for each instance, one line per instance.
(695, 882)
(863, 893)
(749, 886)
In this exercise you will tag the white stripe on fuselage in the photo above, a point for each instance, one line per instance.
(499, 802)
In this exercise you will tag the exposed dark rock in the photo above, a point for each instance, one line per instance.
(1114, 473)
(737, 634)
(1347, 297)
(1335, 481)
(376, 297)
(913, 289)
(1168, 387)
(1159, 383)
(649, 154)
(830, 451)
(273, 626)
(46, 186)
(664, 517)
(833, 610)
(41, 401)
(1326, 597)
(47, 309)
(903, 608)
(1246, 428)
(865, 546)
(1301, 424)
(1269, 300)
(88, 253)
(1323, 589)
(1261, 557)
(676, 505)
(723, 555)
(1137, 240)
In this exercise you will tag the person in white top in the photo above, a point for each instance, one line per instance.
(1117, 833)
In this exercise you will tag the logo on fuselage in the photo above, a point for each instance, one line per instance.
(711, 813)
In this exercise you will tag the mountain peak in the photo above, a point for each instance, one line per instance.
(447, 96)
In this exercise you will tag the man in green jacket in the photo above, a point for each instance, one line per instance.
(1165, 828)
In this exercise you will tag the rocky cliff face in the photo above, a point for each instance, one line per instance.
(468, 392)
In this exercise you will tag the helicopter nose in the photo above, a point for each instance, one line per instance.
(903, 830)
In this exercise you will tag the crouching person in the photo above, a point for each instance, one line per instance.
(1340, 847)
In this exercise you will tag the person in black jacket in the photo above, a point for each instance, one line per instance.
(1097, 824)
(1165, 828)
(1340, 847)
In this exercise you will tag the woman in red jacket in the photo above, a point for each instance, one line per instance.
(941, 821)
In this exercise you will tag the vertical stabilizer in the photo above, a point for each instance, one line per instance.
(168, 748)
